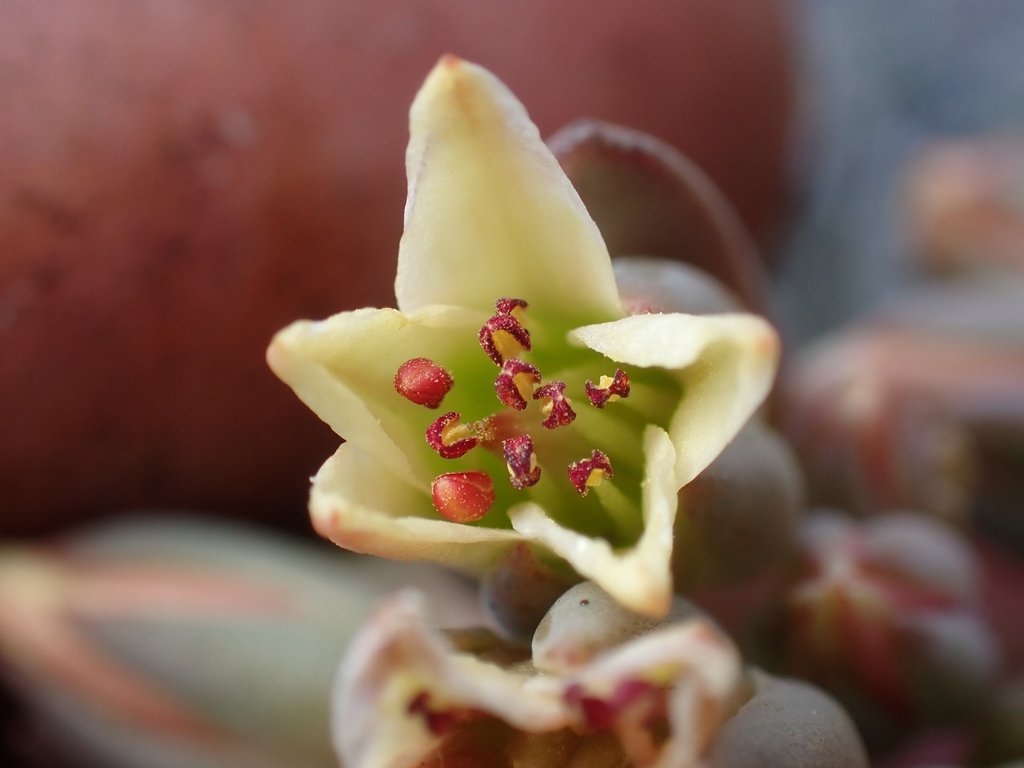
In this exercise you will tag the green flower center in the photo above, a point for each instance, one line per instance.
(553, 439)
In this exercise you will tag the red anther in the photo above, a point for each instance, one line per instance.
(423, 381)
(609, 389)
(588, 473)
(521, 461)
(509, 306)
(449, 437)
(557, 410)
(462, 497)
(515, 380)
(503, 336)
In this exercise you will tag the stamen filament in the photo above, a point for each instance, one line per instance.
(621, 510)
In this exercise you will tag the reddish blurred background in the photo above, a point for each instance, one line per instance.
(180, 178)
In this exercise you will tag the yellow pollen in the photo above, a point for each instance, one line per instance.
(454, 432)
(524, 383)
(605, 383)
(507, 345)
(596, 477)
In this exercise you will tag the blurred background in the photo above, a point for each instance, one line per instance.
(181, 178)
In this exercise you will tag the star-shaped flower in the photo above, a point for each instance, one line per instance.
(510, 398)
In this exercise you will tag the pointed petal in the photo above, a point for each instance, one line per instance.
(361, 505)
(640, 578)
(726, 364)
(490, 213)
(343, 368)
(396, 662)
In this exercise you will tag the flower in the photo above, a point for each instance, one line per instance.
(600, 686)
(652, 693)
(509, 398)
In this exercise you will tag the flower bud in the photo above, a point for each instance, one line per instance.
(185, 644)
(647, 198)
(520, 590)
(787, 723)
(885, 615)
(648, 284)
(586, 621)
(739, 516)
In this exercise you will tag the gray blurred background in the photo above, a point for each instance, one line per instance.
(878, 80)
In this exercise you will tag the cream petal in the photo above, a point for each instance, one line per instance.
(361, 505)
(726, 364)
(639, 578)
(490, 213)
(343, 368)
(396, 659)
(692, 659)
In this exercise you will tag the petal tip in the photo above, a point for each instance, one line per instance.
(279, 350)
(449, 61)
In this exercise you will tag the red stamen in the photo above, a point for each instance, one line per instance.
(588, 473)
(463, 497)
(423, 382)
(609, 389)
(450, 438)
(557, 410)
(521, 461)
(503, 336)
(508, 306)
(515, 380)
